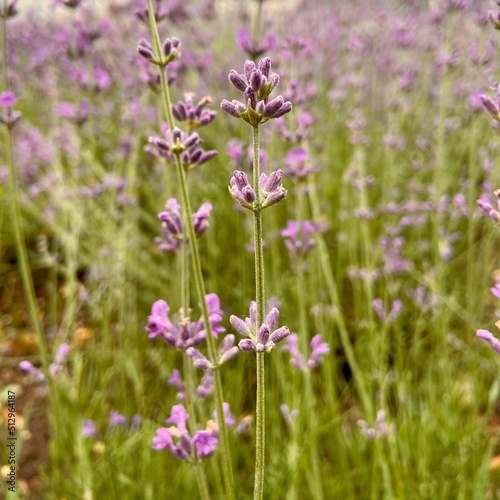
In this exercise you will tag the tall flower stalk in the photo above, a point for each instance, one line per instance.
(163, 53)
(8, 100)
(256, 84)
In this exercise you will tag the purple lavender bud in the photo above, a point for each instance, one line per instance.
(488, 210)
(229, 108)
(7, 100)
(279, 334)
(192, 140)
(199, 360)
(241, 179)
(206, 386)
(173, 224)
(263, 334)
(248, 67)
(159, 143)
(163, 439)
(286, 108)
(229, 354)
(253, 313)
(116, 419)
(261, 107)
(319, 349)
(240, 326)
(246, 345)
(145, 50)
(167, 47)
(248, 194)
(275, 197)
(179, 418)
(273, 106)
(207, 117)
(265, 66)
(192, 157)
(206, 155)
(251, 96)
(272, 318)
(488, 336)
(490, 106)
(227, 343)
(205, 443)
(274, 81)
(237, 80)
(270, 183)
(200, 219)
(256, 80)
(179, 111)
(27, 366)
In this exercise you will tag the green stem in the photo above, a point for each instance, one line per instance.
(200, 288)
(201, 477)
(198, 274)
(260, 448)
(22, 252)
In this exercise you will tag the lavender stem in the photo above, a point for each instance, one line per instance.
(260, 300)
(198, 275)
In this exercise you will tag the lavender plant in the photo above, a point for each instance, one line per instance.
(256, 84)
(183, 150)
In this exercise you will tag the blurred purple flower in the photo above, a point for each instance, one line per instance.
(254, 48)
(176, 381)
(203, 442)
(89, 429)
(116, 419)
(298, 236)
(195, 114)
(7, 99)
(318, 350)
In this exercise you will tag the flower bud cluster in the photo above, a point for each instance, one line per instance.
(261, 339)
(177, 143)
(183, 333)
(318, 350)
(195, 114)
(256, 83)
(172, 227)
(180, 443)
(299, 236)
(271, 191)
(227, 351)
(170, 51)
(159, 12)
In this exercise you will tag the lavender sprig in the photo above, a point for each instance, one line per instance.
(256, 84)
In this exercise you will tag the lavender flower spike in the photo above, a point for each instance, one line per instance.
(256, 84)
(271, 191)
(262, 339)
(202, 445)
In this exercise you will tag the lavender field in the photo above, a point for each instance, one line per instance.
(249, 249)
